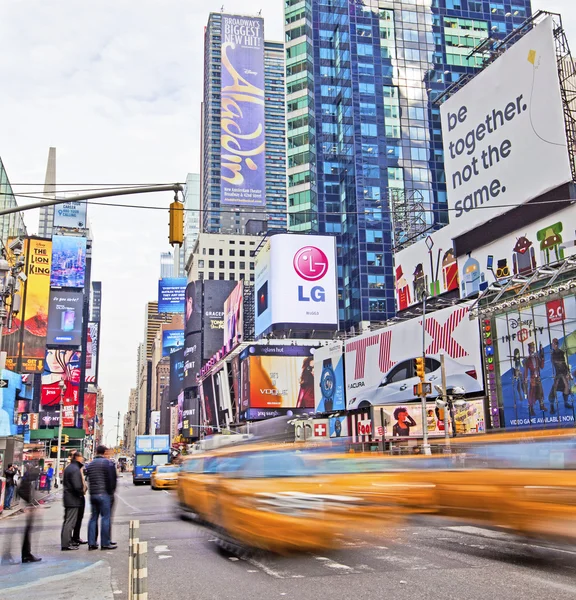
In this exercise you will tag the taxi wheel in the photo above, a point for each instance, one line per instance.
(228, 547)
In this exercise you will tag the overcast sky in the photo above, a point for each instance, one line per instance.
(115, 86)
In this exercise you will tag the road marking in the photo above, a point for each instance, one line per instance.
(166, 492)
(252, 570)
(117, 591)
(331, 564)
(266, 569)
(134, 508)
(233, 558)
(471, 530)
(552, 548)
(158, 549)
(163, 556)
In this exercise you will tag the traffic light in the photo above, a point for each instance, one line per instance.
(176, 223)
(420, 371)
(65, 439)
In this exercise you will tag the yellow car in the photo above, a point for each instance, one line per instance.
(164, 477)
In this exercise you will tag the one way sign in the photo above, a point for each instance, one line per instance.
(3, 383)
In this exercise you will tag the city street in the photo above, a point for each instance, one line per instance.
(420, 561)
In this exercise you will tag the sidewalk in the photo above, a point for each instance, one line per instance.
(19, 505)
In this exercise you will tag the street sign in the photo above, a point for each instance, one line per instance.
(422, 389)
(3, 383)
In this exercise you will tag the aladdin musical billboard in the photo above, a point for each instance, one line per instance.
(242, 137)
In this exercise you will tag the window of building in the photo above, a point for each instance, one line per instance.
(200, 264)
(231, 277)
(251, 266)
(232, 253)
(376, 282)
(221, 264)
(231, 265)
(251, 276)
(211, 275)
(241, 276)
(369, 129)
(221, 276)
(242, 252)
(211, 251)
(204, 251)
(200, 275)
(210, 264)
(367, 88)
(242, 265)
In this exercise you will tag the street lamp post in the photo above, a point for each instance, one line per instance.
(425, 445)
(62, 386)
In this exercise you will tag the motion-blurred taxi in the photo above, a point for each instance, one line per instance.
(164, 477)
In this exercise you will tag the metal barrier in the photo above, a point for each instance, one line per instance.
(137, 564)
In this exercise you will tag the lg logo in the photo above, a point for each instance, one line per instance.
(311, 264)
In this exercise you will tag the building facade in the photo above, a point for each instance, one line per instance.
(223, 257)
(227, 218)
(365, 158)
(192, 215)
(10, 225)
(130, 423)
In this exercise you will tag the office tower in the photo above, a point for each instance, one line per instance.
(365, 158)
(11, 225)
(166, 265)
(191, 216)
(46, 221)
(221, 214)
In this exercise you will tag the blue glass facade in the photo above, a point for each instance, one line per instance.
(224, 219)
(364, 135)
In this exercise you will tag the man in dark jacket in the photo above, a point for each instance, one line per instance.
(26, 492)
(9, 473)
(101, 488)
(73, 485)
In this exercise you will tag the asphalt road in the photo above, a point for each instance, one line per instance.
(421, 561)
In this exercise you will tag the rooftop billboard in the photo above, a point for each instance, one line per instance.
(504, 133)
(68, 261)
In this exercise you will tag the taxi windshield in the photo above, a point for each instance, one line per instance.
(168, 469)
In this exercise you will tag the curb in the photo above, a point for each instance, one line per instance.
(41, 499)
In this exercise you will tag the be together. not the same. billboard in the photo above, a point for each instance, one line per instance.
(296, 283)
(504, 133)
(242, 137)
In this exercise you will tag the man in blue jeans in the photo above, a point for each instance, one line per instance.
(9, 473)
(101, 487)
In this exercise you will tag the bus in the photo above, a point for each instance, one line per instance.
(151, 451)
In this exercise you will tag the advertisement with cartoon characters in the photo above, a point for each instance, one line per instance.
(536, 363)
(545, 242)
(426, 267)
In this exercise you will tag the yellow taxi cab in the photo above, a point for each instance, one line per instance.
(164, 477)
(523, 483)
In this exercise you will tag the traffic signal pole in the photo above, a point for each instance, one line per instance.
(425, 445)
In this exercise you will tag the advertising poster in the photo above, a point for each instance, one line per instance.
(65, 318)
(155, 422)
(92, 346)
(61, 365)
(192, 359)
(338, 427)
(68, 261)
(37, 296)
(191, 418)
(380, 365)
(234, 317)
(405, 420)
(329, 390)
(235, 369)
(296, 283)
(71, 215)
(50, 416)
(281, 379)
(96, 301)
(504, 133)
(427, 267)
(242, 135)
(8, 395)
(171, 294)
(209, 403)
(89, 412)
(215, 294)
(536, 363)
(176, 374)
(193, 307)
(34, 421)
(172, 340)
(544, 242)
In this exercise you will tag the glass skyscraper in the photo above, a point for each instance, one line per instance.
(365, 157)
(217, 218)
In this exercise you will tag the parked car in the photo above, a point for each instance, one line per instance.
(397, 385)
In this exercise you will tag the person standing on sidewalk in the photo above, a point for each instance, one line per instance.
(49, 477)
(101, 488)
(26, 492)
(76, 539)
(73, 484)
(9, 473)
(114, 478)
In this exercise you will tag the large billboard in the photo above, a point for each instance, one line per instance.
(191, 417)
(192, 359)
(215, 294)
(546, 241)
(172, 340)
(296, 283)
(279, 379)
(96, 300)
(504, 133)
(12, 385)
(61, 365)
(234, 317)
(536, 363)
(68, 261)
(176, 375)
(193, 307)
(37, 295)
(427, 267)
(380, 365)
(171, 293)
(329, 389)
(92, 347)
(242, 121)
(65, 318)
(71, 215)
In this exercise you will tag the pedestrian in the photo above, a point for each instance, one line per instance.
(10, 473)
(73, 484)
(76, 539)
(26, 492)
(49, 476)
(101, 488)
(114, 482)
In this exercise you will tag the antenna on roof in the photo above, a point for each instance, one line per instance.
(260, 13)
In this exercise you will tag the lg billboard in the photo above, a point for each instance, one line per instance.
(296, 283)
(504, 133)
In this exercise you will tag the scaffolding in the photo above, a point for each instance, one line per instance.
(409, 215)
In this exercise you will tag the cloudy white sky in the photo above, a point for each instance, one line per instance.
(115, 86)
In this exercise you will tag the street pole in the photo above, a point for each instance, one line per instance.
(118, 430)
(62, 386)
(447, 411)
(425, 445)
